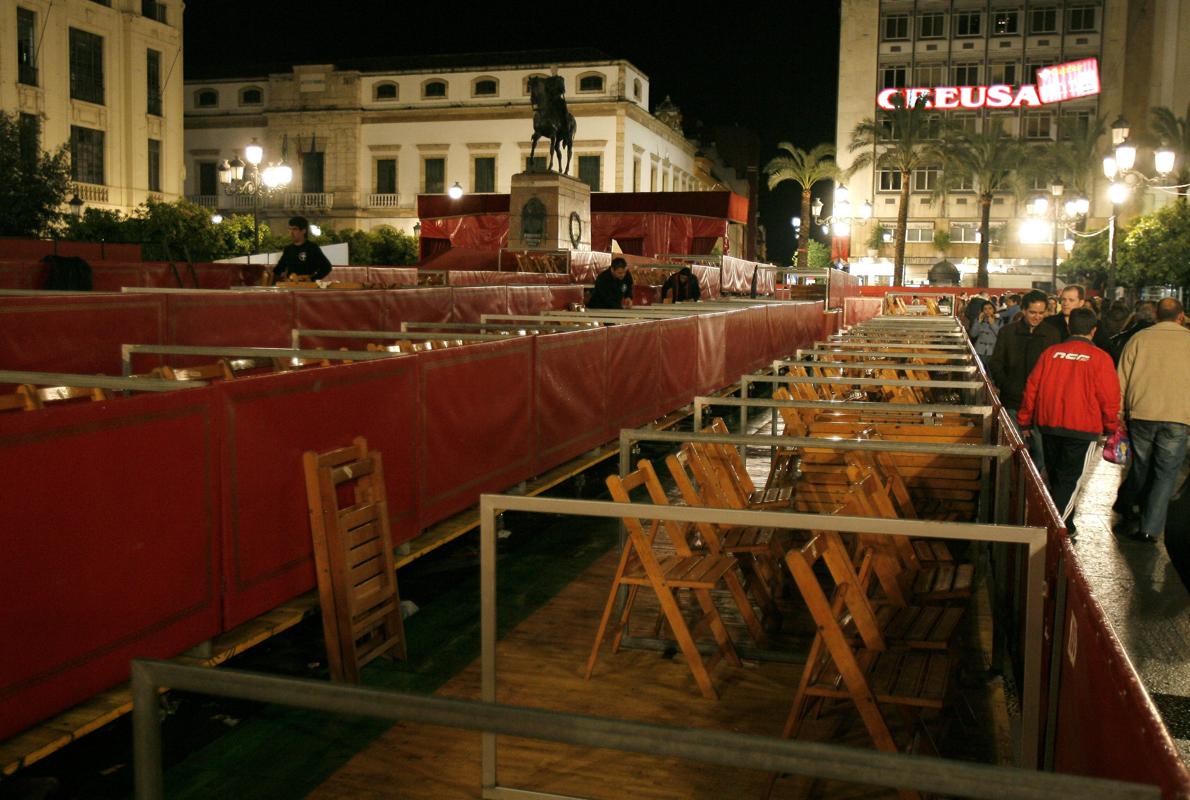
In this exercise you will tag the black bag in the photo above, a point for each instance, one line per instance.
(68, 274)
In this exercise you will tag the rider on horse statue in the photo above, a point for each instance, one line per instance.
(551, 119)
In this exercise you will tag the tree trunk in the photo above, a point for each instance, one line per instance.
(803, 232)
(902, 222)
(985, 235)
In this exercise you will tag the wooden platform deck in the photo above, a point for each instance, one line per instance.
(540, 664)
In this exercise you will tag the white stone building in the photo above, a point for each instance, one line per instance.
(365, 138)
(103, 77)
(1143, 55)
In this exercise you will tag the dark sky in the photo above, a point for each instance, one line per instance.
(773, 71)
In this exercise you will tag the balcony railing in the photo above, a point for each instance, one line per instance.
(383, 200)
(91, 192)
(302, 200)
(205, 200)
(241, 202)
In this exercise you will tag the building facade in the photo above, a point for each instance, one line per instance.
(365, 139)
(1140, 47)
(104, 78)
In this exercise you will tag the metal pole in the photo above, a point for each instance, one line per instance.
(1111, 253)
(146, 736)
(487, 627)
(1054, 264)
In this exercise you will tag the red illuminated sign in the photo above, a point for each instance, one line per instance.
(1068, 81)
(1055, 84)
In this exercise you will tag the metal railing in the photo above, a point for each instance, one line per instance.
(210, 201)
(112, 382)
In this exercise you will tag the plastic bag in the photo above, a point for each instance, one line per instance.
(1118, 448)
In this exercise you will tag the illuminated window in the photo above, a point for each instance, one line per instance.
(1043, 20)
(1080, 19)
(968, 23)
(1005, 23)
(890, 180)
(896, 27)
(931, 26)
(966, 74)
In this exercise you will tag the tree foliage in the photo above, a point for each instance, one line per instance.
(33, 183)
(1087, 263)
(819, 255)
(381, 246)
(1175, 131)
(805, 169)
(1155, 250)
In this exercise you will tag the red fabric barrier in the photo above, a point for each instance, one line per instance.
(417, 305)
(721, 204)
(712, 350)
(26, 275)
(77, 333)
(678, 362)
(529, 299)
(112, 277)
(738, 342)
(220, 319)
(338, 311)
(860, 309)
(650, 234)
(470, 302)
(477, 424)
(218, 276)
(760, 343)
(570, 395)
(831, 321)
(268, 422)
(107, 559)
(392, 276)
(1107, 725)
(563, 296)
(348, 274)
(477, 231)
(839, 286)
(633, 373)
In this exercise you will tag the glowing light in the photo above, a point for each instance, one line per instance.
(1110, 168)
(1118, 193)
(254, 153)
(455, 192)
(1164, 160)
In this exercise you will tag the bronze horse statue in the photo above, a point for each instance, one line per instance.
(551, 119)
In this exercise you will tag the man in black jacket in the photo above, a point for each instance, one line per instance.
(303, 257)
(1018, 346)
(1070, 298)
(613, 287)
(681, 287)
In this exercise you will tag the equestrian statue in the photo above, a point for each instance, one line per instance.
(551, 119)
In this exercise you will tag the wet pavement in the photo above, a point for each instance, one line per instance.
(1144, 599)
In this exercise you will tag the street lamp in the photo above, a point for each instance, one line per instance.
(1062, 215)
(76, 205)
(455, 192)
(250, 180)
(838, 224)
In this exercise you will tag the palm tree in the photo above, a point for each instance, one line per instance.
(895, 140)
(1176, 132)
(804, 169)
(987, 162)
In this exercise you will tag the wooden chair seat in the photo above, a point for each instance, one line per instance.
(943, 582)
(36, 397)
(684, 572)
(771, 497)
(219, 370)
(919, 627)
(900, 677)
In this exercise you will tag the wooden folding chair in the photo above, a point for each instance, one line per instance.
(868, 676)
(733, 477)
(353, 556)
(640, 565)
(754, 549)
(17, 400)
(36, 398)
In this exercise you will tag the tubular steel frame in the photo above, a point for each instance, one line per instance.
(127, 351)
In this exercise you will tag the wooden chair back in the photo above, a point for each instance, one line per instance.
(219, 370)
(36, 398)
(353, 557)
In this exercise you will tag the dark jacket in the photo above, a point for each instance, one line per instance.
(609, 292)
(1060, 324)
(1017, 350)
(303, 259)
(1073, 391)
(673, 286)
(1118, 341)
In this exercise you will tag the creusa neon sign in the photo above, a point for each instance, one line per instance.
(1054, 84)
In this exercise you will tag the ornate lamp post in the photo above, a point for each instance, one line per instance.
(838, 224)
(1062, 217)
(252, 181)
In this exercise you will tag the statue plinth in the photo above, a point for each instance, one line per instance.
(549, 211)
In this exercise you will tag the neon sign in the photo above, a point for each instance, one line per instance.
(1055, 84)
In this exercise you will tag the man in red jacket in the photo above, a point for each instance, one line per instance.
(1072, 398)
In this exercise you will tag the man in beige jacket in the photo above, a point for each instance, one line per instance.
(1154, 375)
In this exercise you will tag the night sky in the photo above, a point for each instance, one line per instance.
(774, 72)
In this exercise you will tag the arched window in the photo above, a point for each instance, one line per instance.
(251, 96)
(433, 89)
(591, 82)
(384, 91)
(637, 89)
(206, 98)
(525, 86)
(485, 87)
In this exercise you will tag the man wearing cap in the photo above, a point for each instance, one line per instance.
(303, 258)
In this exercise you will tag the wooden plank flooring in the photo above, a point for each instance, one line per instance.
(540, 664)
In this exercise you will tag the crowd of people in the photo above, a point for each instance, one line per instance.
(1071, 371)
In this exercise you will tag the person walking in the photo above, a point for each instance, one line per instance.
(1070, 298)
(1071, 399)
(1154, 374)
(1143, 316)
(983, 333)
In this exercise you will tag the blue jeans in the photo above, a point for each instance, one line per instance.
(1158, 449)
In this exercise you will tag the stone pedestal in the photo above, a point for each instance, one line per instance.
(549, 211)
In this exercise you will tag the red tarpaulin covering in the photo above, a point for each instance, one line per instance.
(650, 234)
(721, 205)
(478, 231)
